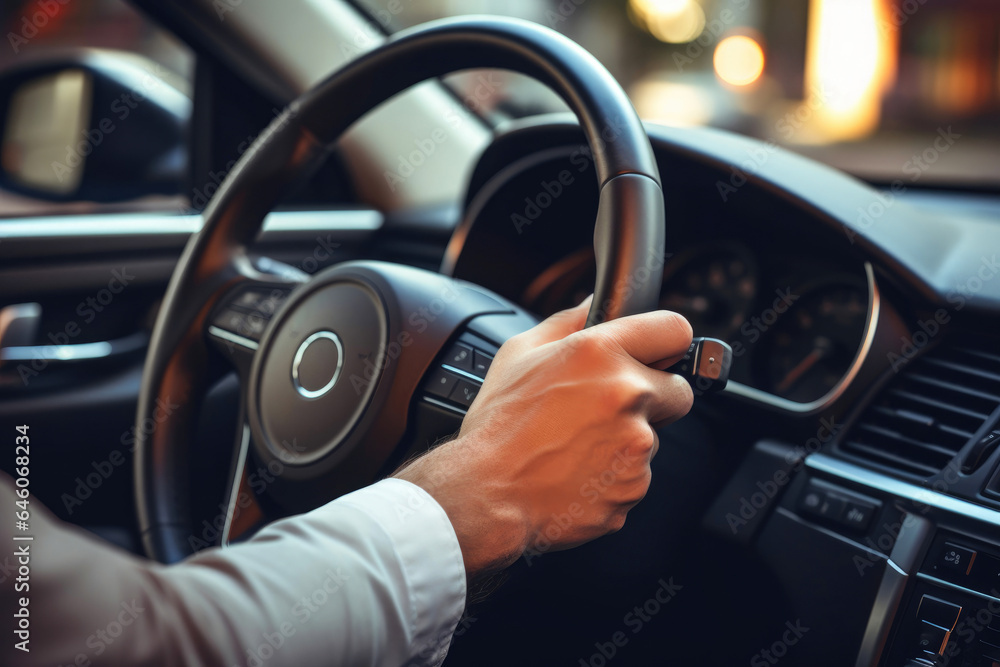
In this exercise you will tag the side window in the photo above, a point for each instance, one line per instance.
(95, 107)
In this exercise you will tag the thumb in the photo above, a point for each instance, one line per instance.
(561, 324)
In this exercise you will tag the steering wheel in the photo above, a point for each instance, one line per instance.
(332, 363)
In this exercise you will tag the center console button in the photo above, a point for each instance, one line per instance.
(932, 638)
(937, 611)
(956, 559)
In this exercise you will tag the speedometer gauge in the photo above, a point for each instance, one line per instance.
(812, 346)
(713, 286)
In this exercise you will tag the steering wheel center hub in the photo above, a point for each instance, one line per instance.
(316, 372)
(317, 364)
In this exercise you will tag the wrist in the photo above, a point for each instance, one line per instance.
(492, 530)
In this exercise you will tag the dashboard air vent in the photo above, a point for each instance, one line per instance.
(931, 410)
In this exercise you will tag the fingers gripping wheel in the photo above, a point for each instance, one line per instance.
(628, 238)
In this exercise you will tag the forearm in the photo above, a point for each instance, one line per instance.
(335, 586)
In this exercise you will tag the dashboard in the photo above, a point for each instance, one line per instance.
(794, 306)
(847, 480)
(858, 441)
(794, 332)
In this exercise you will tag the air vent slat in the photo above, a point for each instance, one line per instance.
(916, 426)
(982, 355)
(986, 358)
(909, 442)
(927, 400)
(931, 411)
(964, 369)
(892, 460)
(950, 386)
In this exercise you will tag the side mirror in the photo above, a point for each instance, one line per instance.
(98, 126)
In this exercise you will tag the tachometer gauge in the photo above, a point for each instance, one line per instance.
(811, 347)
(713, 286)
(563, 285)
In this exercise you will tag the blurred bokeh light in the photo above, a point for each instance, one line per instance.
(739, 60)
(670, 21)
(849, 64)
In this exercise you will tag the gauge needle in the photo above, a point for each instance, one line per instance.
(820, 351)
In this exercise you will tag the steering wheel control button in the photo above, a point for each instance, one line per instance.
(956, 559)
(481, 364)
(317, 364)
(464, 393)
(240, 323)
(706, 364)
(460, 356)
(263, 302)
(440, 383)
(455, 382)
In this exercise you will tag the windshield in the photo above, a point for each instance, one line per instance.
(888, 90)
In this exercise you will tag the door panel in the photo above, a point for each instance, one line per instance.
(99, 279)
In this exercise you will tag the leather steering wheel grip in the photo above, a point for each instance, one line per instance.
(629, 234)
(628, 240)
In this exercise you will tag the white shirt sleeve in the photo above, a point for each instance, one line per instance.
(373, 578)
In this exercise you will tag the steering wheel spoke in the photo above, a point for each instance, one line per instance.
(244, 510)
(241, 315)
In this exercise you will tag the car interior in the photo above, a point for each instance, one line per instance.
(255, 255)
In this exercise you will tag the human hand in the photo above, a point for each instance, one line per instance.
(559, 440)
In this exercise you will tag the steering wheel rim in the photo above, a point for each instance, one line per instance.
(629, 228)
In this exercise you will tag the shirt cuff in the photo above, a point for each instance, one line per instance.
(430, 556)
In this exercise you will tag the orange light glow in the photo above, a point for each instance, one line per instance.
(671, 21)
(850, 61)
(739, 60)
(672, 103)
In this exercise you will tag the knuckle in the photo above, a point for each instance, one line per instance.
(624, 388)
(630, 389)
(647, 480)
(639, 437)
(616, 521)
(642, 491)
(589, 341)
(586, 348)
